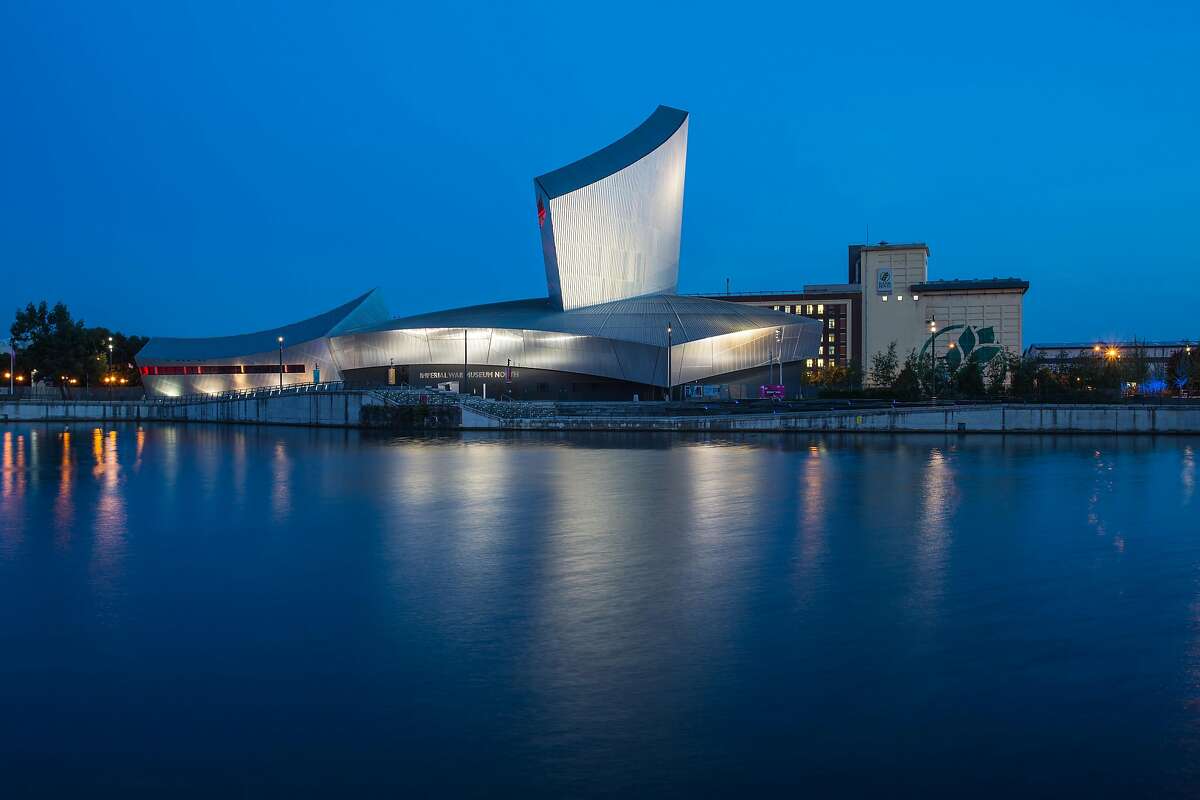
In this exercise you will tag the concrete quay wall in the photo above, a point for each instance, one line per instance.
(1005, 418)
(345, 409)
(317, 409)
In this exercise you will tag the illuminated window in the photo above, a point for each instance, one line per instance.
(821, 350)
(832, 324)
(774, 308)
(820, 362)
(808, 363)
(916, 297)
(820, 309)
(787, 309)
(810, 308)
(899, 297)
(884, 298)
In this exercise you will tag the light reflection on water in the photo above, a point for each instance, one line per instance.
(596, 614)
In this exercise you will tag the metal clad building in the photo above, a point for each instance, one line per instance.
(611, 222)
(609, 326)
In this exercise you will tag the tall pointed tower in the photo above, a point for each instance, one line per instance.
(611, 222)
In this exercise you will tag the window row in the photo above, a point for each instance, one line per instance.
(810, 309)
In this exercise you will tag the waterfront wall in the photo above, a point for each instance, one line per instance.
(317, 409)
(357, 408)
(1004, 418)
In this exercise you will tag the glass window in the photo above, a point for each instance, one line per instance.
(832, 324)
(916, 297)
(820, 362)
(810, 308)
(821, 350)
(774, 308)
(899, 297)
(884, 298)
(787, 309)
(821, 309)
(808, 363)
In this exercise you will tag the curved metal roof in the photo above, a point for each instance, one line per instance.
(629, 149)
(637, 319)
(364, 310)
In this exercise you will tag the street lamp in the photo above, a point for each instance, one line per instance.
(669, 362)
(280, 340)
(12, 365)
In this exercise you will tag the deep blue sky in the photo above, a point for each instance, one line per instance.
(208, 168)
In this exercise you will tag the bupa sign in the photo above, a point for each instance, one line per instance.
(883, 281)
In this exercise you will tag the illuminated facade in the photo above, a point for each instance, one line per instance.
(889, 299)
(610, 326)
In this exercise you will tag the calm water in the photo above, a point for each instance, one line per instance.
(223, 611)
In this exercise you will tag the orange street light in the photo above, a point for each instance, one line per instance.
(1112, 353)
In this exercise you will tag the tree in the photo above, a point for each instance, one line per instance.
(831, 376)
(1181, 368)
(933, 374)
(884, 366)
(1024, 372)
(907, 385)
(53, 342)
(61, 349)
(968, 380)
(997, 374)
(854, 374)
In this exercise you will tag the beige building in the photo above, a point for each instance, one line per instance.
(889, 298)
(962, 320)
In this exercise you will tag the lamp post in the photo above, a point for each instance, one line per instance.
(669, 362)
(280, 340)
(12, 366)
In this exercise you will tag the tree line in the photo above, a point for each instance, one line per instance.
(55, 349)
(1097, 376)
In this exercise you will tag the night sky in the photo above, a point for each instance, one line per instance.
(210, 168)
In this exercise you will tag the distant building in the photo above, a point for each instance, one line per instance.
(889, 298)
(1157, 354)
(838, 309)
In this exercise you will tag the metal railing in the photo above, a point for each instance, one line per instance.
(254, 393)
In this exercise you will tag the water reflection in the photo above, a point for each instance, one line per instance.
(12, 491)
(64, 505)
(1187, 474)
(938, 503)
(281, 490)
(108, 546)
(571, 607)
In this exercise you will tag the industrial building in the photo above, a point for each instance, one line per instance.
(888, 298)
(611, 325)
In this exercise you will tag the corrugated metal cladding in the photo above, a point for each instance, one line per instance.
(305, 342)
(618, 237)
(638, 319)
(611, 227)
(619, 359)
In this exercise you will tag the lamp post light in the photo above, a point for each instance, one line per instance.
(669, 393)
(280, 340)
(12, 365)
